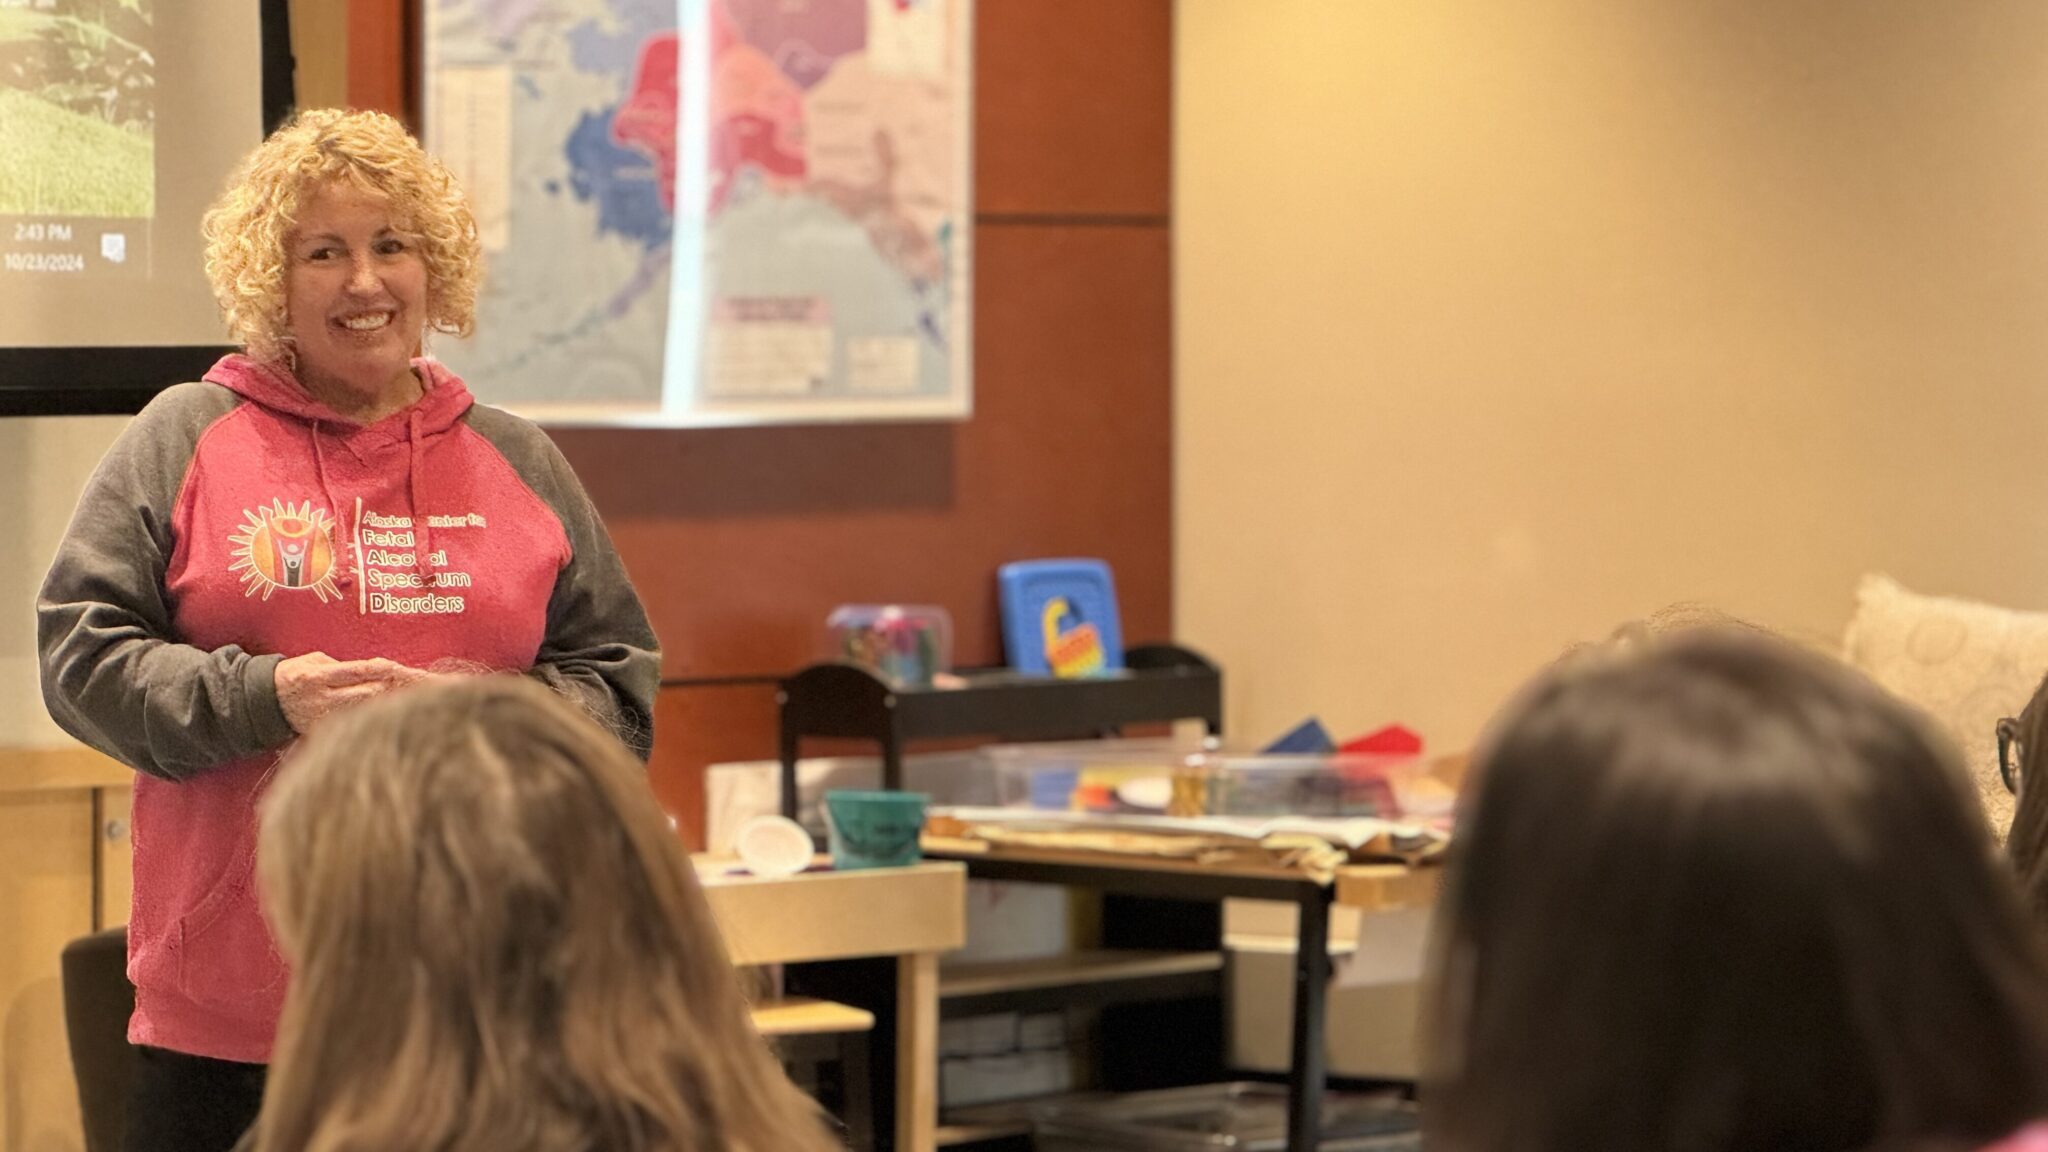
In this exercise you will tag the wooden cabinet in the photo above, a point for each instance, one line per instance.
(63, 873)
(116, 856)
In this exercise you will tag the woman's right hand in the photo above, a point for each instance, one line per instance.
(311, 686)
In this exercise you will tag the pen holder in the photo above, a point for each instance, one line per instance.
(874, 829)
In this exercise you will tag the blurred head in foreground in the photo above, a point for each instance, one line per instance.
(498, 942)
(1712, 892)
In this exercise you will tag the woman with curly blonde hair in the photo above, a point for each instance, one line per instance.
(326, 162)
(325, 517)
(499, 943)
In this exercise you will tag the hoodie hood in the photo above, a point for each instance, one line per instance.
(445, 401)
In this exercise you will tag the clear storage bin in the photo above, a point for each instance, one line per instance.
(1176, 778)
(905, 645)
(1101, 776)
(1222, 1118)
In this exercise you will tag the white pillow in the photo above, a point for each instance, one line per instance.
(1966, 664)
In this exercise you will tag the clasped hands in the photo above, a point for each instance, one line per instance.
(311, 686)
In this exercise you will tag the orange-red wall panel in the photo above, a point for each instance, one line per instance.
(1073, 107)
(742, 540)
(379, 60)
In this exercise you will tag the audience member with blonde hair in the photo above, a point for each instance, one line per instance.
(498, 944)
(1712, 893)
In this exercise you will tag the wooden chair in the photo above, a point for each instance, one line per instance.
(805, 1030)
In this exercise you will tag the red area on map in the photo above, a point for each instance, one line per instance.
(748, 139)
(758, 113)
(646, 122)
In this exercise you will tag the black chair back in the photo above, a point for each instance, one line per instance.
(97, 1003)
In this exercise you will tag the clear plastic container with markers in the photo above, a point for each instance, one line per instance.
(904, 645)
(1169, 777)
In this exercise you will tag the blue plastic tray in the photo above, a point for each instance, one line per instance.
(1060, 618)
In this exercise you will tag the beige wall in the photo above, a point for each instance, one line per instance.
(43, 465)
(320, 42)
(1499, 323)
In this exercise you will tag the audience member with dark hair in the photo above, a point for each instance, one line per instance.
(2023, 755)
(1713, 893)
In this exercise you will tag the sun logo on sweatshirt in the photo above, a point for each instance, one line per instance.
(285, 546)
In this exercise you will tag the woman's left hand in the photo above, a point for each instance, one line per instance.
(311, 686)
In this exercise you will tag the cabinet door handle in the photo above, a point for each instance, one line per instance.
(117, 829)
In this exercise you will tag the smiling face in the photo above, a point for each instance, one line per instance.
(355, 302)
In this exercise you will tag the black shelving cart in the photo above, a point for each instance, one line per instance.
(1161, 683)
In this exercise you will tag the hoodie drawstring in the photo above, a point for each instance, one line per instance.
(419, 511)
(344, 577)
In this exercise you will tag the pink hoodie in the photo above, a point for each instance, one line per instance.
(239, 522)
(2033, 1138)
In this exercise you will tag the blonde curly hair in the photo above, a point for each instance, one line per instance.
(248, 229)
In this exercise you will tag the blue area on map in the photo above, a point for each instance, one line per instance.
(613, 51)
(621, 181)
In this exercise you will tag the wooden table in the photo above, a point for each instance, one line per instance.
(907, 916)
(1388, 887)
(1372, 887)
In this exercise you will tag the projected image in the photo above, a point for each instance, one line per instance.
(77, 112)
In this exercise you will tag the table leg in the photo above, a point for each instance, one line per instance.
(892, 758)
(917, 1052)
(871, 983)
(787, 747)
(1311, 986)
(857, 1088)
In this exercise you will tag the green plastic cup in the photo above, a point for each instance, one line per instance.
(874, 829)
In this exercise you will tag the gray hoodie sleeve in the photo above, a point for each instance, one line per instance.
(599, 650)
(114, 674)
